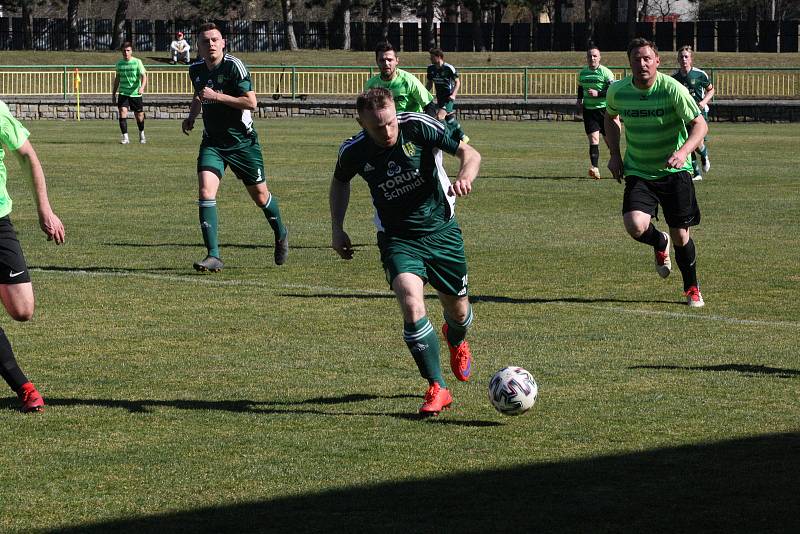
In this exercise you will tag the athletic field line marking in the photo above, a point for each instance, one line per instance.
(209, 280)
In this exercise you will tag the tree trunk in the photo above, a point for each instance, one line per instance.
(120, 15)
(631, 19)
(72, 24)
(474, 7)
(557, 9)
(346, 24)
(430, 14)
(589, 19)
(386, 14)
(27, 25)
(288, 25)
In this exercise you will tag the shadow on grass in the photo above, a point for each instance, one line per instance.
(735, 367)
(485, 298)
(554, 178)
(247, 246)
(257, 407)
(742, 485)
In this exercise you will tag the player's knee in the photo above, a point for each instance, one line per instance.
(21, 313)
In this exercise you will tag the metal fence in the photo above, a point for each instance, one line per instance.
(336, 81)
(263, 36)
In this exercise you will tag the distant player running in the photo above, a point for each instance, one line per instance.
(656, 111)
(16, 289)
(593, 83)
(444, 77)
(400, 158)
(701, 89)
(130, 81)
(224, 92)
(408, 92)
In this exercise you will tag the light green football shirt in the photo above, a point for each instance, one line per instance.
(655, 123)
(129, 74)
(598, 79)
(409, 93)
(12, 135)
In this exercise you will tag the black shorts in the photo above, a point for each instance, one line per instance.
(594, 120)
(13, 269)
(133, 103)
(675, 193)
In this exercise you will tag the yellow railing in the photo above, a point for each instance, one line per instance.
(477, 82)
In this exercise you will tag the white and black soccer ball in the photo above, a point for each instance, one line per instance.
(513, 391)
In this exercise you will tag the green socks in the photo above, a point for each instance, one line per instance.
(456, 332)
(208, 225)
(273, 214)
(423, 343)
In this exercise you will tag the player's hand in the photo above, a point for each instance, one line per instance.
(677, 160)
(441, 114)
(593, 92)
(53, 227)
(340, 242)
(208, 94)
(460, 188)
(187, 126)
(616, 167)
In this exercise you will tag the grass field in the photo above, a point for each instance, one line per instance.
(267, 398)
(419, 59)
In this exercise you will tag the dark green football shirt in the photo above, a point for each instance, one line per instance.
(407, 181)
(224, 126)
(655, 123)
(695, 81)
(444, 80)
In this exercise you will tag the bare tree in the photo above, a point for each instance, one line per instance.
(632, 7)
(288, 24)
(589, 19)
(386, 14)
(118, 37)
(430, 14)
(72, 24)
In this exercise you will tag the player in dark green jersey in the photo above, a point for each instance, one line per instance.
(400, 158)
(593, 82)
(656, 111)
(224, 93)
(444, 77)
(701, 89)
(130, 81)
(408, 92)
(16, 289)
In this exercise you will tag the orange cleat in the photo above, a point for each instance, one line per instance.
(32, 400)
(437, 399)
(460, 358)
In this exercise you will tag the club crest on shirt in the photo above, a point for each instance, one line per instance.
(409, 149)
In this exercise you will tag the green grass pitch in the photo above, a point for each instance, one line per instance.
(275, 399)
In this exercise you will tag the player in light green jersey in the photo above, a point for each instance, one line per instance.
(224, 93)
(130, 81)
(701, 89)
(656, 111)
(16, 289)
(408, 92)
(400, 158)
(593, 82)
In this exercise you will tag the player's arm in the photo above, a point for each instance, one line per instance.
(245, 102)
(470, 160)
(707, 98)
(613, 128)
(339, 200)
(114, 88)
(454, 94)
(697, 131)
(49, 222)
(579, 99)
(194, 110)
(142, 81)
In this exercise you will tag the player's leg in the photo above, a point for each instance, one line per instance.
(592, 128)
(248, 165)
(16, 293)
(446, 266)
(450, 119)
(138, 112)
(639, 206)
(405, 273)
(209, 174)
(681, 212)
(123, 122)
(185, 57)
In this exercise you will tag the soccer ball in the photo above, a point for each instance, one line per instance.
(512, 391)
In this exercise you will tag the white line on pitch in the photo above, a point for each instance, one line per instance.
(208, 280)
